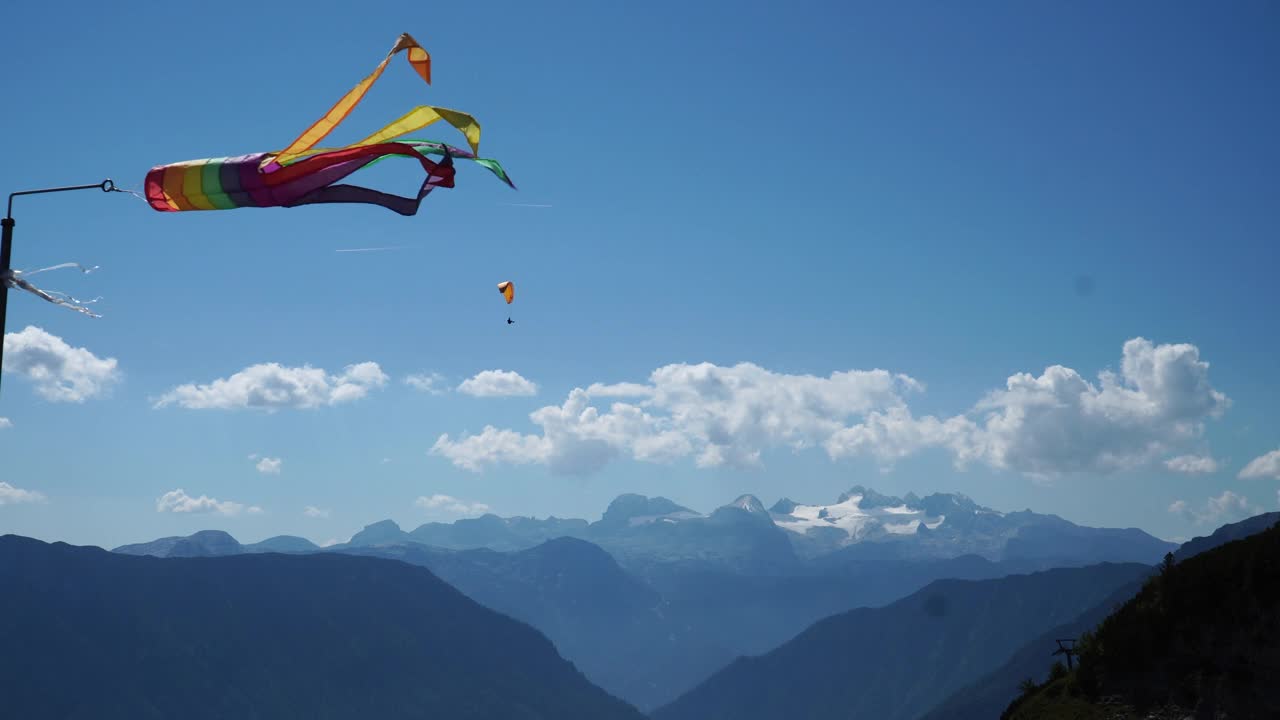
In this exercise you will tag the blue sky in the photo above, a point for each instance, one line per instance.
(953, 195)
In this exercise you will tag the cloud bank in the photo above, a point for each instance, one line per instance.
(1045, 425)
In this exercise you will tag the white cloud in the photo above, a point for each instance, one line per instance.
(312, 511)
(334, 541)
(1192, 464)
(271, 386)
(5, 423)
(269, 466)
(1263, 466)
(492, 447)
(498, 383)
(718, 415)
(10, 495)
(427, 382)
(1060, 423)
(1042, 426)
(1225, 508)
(178, 501)
(451, 505)
(61, 373)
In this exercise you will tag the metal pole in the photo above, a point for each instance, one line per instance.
(6, 246)
(6, 252)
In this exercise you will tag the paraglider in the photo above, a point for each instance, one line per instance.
(302, 174)
(508, 290)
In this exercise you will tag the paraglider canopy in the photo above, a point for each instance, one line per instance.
(508, 290)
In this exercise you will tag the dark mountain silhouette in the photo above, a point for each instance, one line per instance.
(987, 697)
(896, 662)
(87, 633)
(1200, 639)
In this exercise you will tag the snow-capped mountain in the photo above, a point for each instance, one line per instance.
(858, 515)
(939, 525)
(861, 526)
(866, 525)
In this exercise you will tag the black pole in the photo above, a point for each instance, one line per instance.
(6, 253)
(6, 246)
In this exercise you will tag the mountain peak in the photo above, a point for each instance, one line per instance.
(568, 549)
(948, 504)
(870, 498)
(750, 503)
(383, 526)
(783, 506)
(283, 543)
(630, 509)
(379, 533)
(206, 543)
(211, 536)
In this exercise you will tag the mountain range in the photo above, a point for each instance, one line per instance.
(681, 594)
(788, 538)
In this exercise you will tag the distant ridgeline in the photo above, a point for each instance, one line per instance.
(1201, 639)
(861, 527)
